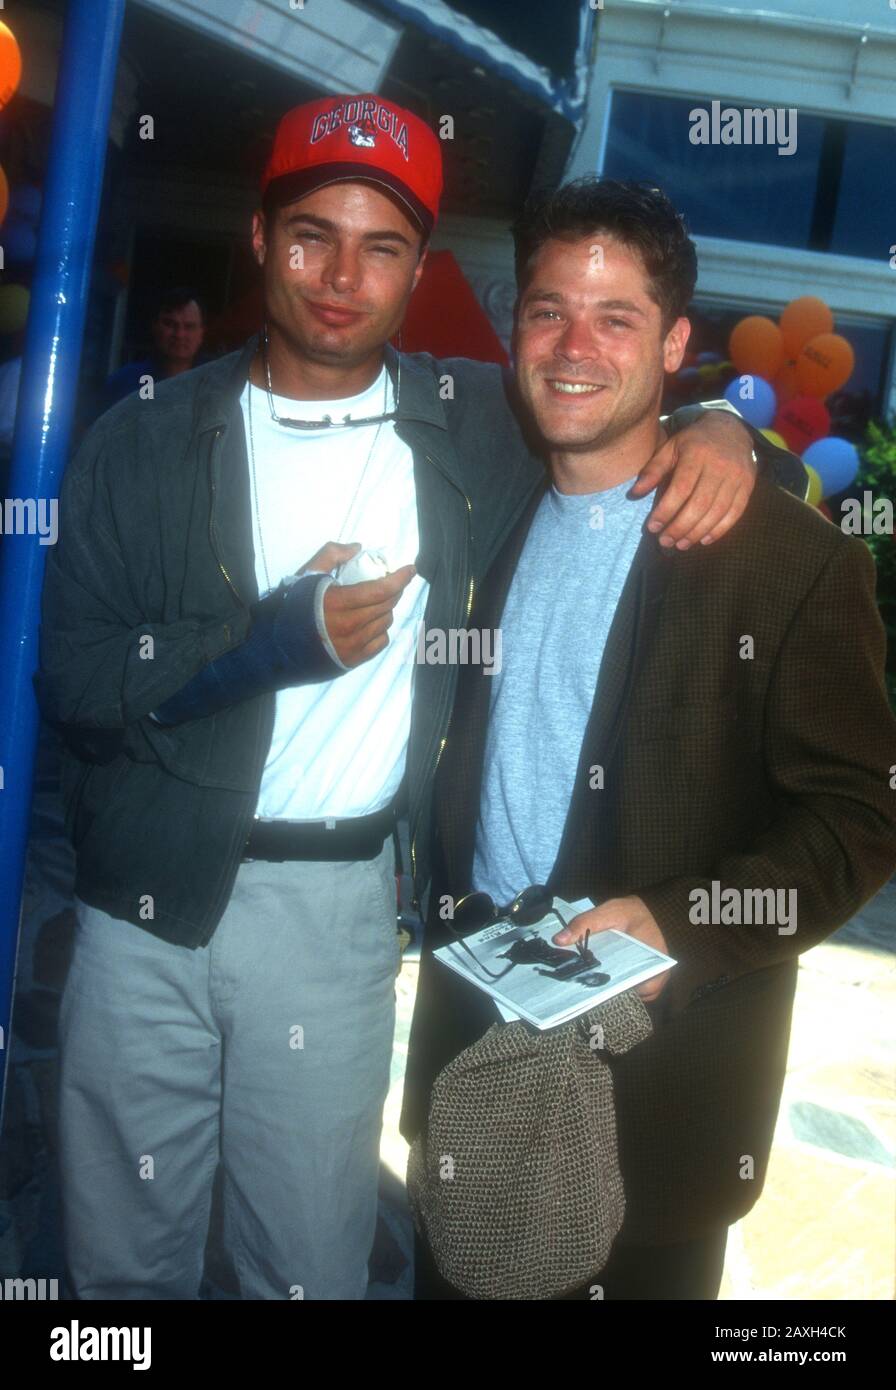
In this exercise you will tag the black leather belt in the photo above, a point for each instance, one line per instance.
(357, 837)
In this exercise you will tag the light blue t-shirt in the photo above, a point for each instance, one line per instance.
(556, 620)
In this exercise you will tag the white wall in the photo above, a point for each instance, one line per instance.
(337, 46)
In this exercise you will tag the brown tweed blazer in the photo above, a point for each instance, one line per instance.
(763, 766)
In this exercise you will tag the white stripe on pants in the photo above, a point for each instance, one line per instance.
(270, 1046)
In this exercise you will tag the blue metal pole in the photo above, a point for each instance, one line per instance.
(71, 197)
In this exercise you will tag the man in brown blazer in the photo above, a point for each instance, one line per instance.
(701, 744)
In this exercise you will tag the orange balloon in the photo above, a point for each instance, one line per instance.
(4, 193)
(824, 364)
(803, 319)
(785, 383)
(756, 347)
(10, 64)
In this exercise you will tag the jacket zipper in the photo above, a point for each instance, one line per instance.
(414, 899)
(233, 589)
(211, 517)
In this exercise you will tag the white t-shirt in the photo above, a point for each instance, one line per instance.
(338, 747)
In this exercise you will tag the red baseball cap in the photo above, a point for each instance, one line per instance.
(357, 137)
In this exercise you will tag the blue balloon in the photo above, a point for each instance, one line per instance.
(836, 462)
(753, 398)
(19, 242)
(686, 374)
(704, 358)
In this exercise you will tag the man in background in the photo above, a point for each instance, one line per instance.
(178, 330)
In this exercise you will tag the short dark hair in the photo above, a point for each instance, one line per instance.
(177, 298)
(634, 213)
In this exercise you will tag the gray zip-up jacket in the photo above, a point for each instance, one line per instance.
(152, 578)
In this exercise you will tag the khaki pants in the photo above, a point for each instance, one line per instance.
(270, 1049)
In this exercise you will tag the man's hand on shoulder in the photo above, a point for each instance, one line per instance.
(710, 472)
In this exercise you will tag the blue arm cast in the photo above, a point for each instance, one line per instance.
(284, 648)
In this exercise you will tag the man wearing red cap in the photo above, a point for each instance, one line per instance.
(240, 725)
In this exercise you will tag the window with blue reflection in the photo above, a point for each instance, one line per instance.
(742, 192)
(865, 220)
(835, 192)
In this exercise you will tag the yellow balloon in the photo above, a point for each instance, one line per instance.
(775, 438)
(816, 487)
(14, 301)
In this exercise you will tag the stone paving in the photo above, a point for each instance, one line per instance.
(823, 1228)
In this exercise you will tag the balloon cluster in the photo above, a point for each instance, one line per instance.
(18, 234)
(786, 370)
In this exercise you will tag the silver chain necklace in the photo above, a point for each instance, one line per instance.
(354, 497)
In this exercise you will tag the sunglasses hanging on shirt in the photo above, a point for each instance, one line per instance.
(478, 910)
(327, 422)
